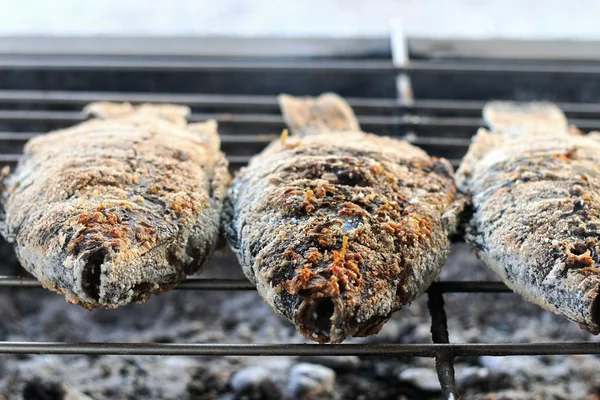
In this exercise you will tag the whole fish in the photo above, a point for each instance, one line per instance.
(535, 186)
(336, 227)
(119, 207)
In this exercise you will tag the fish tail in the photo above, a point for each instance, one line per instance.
(327, 113)
(525, 119)
(106, 110)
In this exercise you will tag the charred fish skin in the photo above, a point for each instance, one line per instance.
(119, 207)
(336, 227)
(535, 188)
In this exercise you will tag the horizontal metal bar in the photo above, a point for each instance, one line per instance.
(470, 287)
(266, 138)
(270, 119)
(259, 101)
(242, 284)
(406, 121)
(142, 64)
(235, 161)
(210, 100)
(397, 350)
(225, 138)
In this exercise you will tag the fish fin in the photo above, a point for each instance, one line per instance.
(105, 110)
(208, 133)
(520, 119)
(595, 135)
(316, 115)
(173, 113)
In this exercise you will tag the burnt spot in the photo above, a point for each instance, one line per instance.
(579, 249)
(199, 254)
(349, 171)
(442, 168)
(92, 272)
(595, 310)
(579, 257)
(180, 155)
(173, 259)
(372, 325)
(285, 270)
(578, 205)
(352, 177)
(480, 246)
(143, 287)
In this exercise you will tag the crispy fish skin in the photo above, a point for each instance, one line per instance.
(535, 187)
(339, 228)
(119, 207)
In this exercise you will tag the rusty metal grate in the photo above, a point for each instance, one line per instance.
(442, 127)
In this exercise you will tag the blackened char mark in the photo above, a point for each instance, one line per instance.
(578, 205)
(349, 171)
(442, 168)
(352, 177)
(286, 270)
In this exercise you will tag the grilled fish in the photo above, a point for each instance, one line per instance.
(336, 227)
(535, 186)
(119, 207)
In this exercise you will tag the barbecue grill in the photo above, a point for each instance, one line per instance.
(42, 93)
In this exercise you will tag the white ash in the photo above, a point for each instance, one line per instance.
(311, 381)
(242, 317)
(255, 382)
(424, 379)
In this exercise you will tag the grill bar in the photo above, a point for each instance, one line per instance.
(142, 64)
(444, 362)
(233, 160)
(258, 101)
(405, 121)
(398, 350)
(262, 139)
(242, 284)
(408, 121)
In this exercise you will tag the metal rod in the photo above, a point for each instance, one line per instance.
(444, 362)
(242, 118)
(444, 366)
(398, 350)
(276, 120)
(153, 64)
(261, 101)
(143, 64)
(236, 161)
(470, 287)
(267, 138)
(242, 284)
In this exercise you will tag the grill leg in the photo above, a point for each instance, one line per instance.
(444, 362)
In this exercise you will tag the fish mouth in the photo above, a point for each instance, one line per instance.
(327, 320)
(322, 319)
(91, 275)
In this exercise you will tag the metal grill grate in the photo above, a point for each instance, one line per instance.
(441, 127)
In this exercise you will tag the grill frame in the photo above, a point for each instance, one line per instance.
(464, 116)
